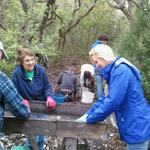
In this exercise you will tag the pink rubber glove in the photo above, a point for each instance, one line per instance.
(26, 102)
(50, 103)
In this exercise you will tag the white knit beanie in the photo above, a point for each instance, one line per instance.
(1, 46)
(103, 51)
(2, 49)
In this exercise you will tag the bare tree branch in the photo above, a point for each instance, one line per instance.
(77, 5)
(3, 27)
(126, 6)
(49, 10)
(60, 18)
(121, 4)
(2, 16)
(79, 19)
(135, 3)
(50, 22)
(24, 4)
(113, 5)
(69, 26)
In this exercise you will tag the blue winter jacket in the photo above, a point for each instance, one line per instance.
(96, 43)
(38, 88)
(126, 99)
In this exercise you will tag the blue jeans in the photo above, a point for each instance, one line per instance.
(40, 142)
(99, 84)
(138, 146)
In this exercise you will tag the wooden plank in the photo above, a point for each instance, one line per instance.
(70, 108)
(36, 124)
(67, 108)
(76, 130)
(69, 143)
(53, 125)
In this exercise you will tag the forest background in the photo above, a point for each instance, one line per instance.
(62, 31)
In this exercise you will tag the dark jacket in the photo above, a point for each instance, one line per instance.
(38, 88)
(67, 80)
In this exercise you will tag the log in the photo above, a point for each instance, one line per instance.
(53, 125)
(69, 108)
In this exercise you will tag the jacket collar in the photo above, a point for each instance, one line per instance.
(23, 71)
(106, 71)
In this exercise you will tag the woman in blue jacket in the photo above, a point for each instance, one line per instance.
(32, 83)
(125, 98)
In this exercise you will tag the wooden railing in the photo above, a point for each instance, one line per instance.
(59, 123)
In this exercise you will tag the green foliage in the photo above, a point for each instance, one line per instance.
(135, 45)
(23, 28)
(7, 66)
(102, 20)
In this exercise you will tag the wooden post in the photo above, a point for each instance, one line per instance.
(72, 144)
(33, 142)
(69, 143)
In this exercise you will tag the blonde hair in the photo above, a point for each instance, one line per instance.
(102, 51)
(22, 52)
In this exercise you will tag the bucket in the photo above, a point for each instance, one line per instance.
(87, 97)
(59, 98)
(20, 148)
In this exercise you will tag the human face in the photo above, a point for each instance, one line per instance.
(29, 63)
(99, 62)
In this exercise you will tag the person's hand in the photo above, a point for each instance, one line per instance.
(50, 103)
(26, 102)
(82, 118)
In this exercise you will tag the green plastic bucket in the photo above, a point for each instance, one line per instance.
(20, 148)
